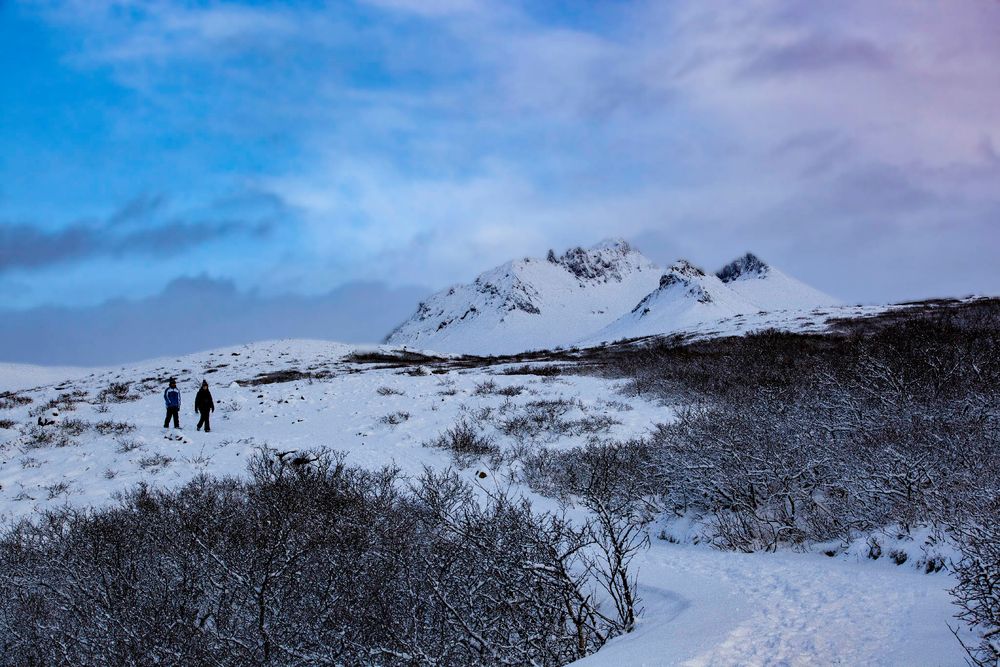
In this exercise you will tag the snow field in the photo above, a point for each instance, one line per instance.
(377, 417)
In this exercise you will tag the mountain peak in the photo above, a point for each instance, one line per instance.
(685, 268)
(747, 266)
(618, 244)
(609, 260)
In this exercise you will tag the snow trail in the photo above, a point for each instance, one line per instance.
(707, 607)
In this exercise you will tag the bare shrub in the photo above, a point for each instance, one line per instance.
(539, 417)
(395, 418)
(528, 369)
(388, 391)
(315, 563)
(7, 423)
(977, 592)
(465, 442)
(594, 424)
(37, 437)
(74, 427)
(126, 445)
(10, 400)
(55, 490)
(114, 428)
(155, 461)
(485, 388)
(118, 392)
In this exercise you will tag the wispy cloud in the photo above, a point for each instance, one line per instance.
(140, 227)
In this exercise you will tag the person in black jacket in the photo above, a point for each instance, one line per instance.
(204, 405)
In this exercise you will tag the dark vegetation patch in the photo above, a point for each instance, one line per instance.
(10, 400)
(108, 427)
(395, 418)
(286, 375)
(305, 564)
(38, 437)
(392, 359)
(465, 442)
(118, 392)
(74, 427)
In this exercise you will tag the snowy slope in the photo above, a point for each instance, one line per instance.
(25, 376)
(768, 288)
(329, 401)
(686, 297)
(532, 303)
(745, 295)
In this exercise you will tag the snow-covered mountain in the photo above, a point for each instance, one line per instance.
(686, 298)
(747, 293)
(532, 303)
(604, 293)
(770, 289)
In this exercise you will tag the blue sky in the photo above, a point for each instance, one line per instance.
(296, 149)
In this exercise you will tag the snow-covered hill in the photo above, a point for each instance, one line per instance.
(686, 298)
(744, 295)
(532, 303)
(25, 376)
(768, 288)
(590, 296)
(106, 433)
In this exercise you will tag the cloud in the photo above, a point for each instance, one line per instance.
(198, 313)
(140, 227)
(816, 53)
(435, 139)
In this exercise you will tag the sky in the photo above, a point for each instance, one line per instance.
(356, 155)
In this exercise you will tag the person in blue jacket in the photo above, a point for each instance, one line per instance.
(172, 397)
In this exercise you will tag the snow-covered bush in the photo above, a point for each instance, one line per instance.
(395, 418)
(10, 400)
(118, 392)
(977, 593)
(465, 442)
(304, 563)
(544, 418)
(794, 439)
(108, 427)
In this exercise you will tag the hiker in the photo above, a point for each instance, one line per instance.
(172, 397)
(204, 405)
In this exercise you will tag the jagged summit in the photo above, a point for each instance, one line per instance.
(608, 260)
(747, 266)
